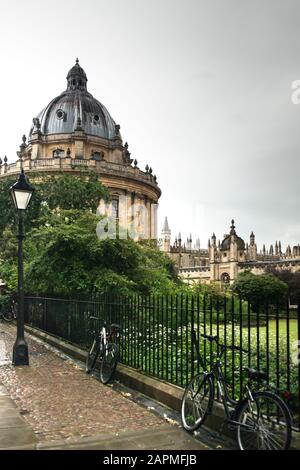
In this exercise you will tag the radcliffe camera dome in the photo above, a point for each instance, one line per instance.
(75, 134)
(75, 107)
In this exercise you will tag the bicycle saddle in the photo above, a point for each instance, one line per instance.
(254, 374)
(115, 325)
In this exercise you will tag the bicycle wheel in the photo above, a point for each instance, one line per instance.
(266, 423)
(109, 362)
(8, 315)
(92, 357)
(197, 402)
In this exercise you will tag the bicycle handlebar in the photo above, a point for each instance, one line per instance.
(113, 325)
(234, 348)
(215, 338)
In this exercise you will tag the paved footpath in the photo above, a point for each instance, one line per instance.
(53, 404)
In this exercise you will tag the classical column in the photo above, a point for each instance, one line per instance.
(153, 225)
(148, 218)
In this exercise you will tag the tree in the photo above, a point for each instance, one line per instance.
(62, 191)
(73, 192)
(62, 253)
(65, 257)
(291, 279)
(8, 217)
(260, 289)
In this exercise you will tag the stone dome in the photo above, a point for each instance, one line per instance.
(75, 134)
(225, 245)
(74, 108)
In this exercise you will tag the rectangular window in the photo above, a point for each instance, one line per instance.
(115, 208)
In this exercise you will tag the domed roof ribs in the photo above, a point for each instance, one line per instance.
(80, 110)
(46, 113)
(107, 119)
(104, 116)
(78, 114)
(61, 114)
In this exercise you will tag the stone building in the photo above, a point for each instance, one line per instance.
(75, 133)
(222, 261)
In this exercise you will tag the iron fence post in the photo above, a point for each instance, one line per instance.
(298, 358)
(192, 335)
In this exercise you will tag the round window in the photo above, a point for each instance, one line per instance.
(60, 114)
(96, 118)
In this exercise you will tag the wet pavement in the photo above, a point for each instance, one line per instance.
(63, 407)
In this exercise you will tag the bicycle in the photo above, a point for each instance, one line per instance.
(8, 313)
(104, 347)
(261, 418)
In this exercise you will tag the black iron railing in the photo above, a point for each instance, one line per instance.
(157, 336)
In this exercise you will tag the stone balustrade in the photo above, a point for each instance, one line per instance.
(68, 163)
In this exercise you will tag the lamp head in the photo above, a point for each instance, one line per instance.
(21, 192)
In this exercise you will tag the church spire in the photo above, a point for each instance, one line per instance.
(166, 236)
(166, 225)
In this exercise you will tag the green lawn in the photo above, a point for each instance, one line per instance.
(282, 330)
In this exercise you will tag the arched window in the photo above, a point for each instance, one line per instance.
(98, 156)
(225, 278)
(58, 153)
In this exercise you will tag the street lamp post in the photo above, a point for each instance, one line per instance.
(21, 193)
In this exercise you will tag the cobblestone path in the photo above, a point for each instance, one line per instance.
(59, 401)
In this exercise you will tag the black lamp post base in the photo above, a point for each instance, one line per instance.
(20, 353)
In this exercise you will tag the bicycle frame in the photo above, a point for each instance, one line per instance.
(103, 338)
(216, 374)
(226, 399)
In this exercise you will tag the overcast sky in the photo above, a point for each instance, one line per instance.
(201, 89)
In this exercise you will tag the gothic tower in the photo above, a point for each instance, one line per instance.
(252, 248)
(166, 237)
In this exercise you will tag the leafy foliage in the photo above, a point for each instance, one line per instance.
(7, 209)
(73, 192)
(61, 191)
(291, 279)
(62, 254)
(67, 258)
(259, 289)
